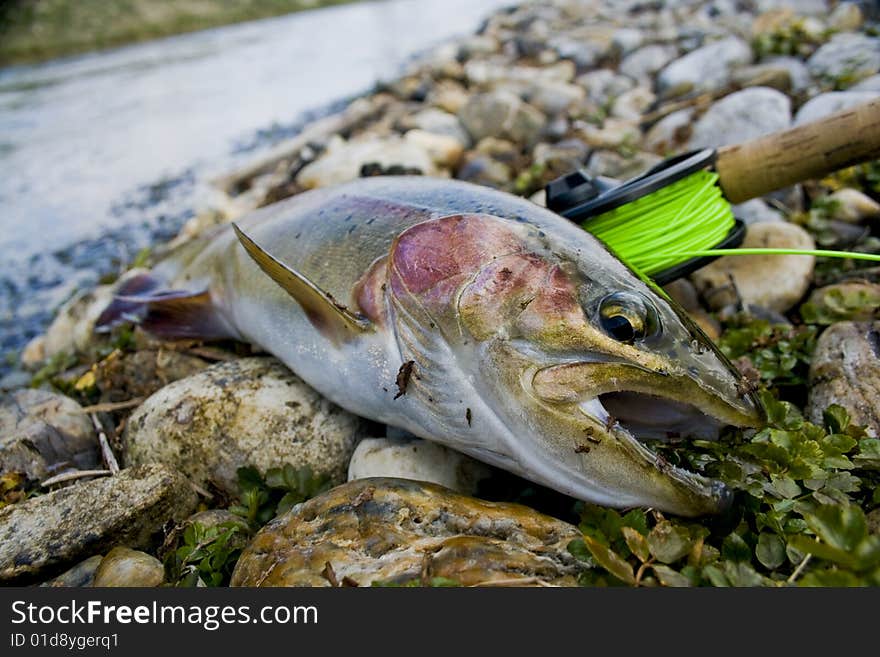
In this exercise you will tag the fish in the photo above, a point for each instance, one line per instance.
(468, 317)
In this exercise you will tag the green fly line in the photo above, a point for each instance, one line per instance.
(680, 221)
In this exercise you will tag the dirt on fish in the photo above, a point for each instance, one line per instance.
(403, 376)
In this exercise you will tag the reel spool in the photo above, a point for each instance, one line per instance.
(647, 220)
(677, 217)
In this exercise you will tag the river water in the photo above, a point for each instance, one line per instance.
(100, 154)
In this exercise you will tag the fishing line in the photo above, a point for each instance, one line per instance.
(667, 222)
(821, 253)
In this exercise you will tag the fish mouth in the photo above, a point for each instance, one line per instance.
(652, 417)
(651, 405)
(638, 419)
(634, 406)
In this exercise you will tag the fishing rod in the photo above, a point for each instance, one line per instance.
(677, 216)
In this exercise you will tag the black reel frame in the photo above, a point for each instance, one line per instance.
(579, 197)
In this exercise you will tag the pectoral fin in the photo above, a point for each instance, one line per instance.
(328, 315)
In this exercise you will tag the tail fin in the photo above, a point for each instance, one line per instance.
(164, 312)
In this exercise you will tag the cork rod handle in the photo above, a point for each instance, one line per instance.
(811, 150)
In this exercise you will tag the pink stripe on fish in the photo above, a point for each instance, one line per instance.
(433, 259)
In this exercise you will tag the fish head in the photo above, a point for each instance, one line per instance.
(580, 360)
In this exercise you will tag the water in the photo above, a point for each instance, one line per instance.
(101, 154)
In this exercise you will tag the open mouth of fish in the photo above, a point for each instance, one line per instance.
(651, 417)
(636, 419)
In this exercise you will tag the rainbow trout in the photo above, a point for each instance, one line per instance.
(468, 317)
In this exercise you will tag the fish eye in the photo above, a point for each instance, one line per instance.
(627, 316)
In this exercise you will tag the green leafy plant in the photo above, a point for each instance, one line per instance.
(530, 180)
(865, 176)
(798, 519)
(50, 371)
(207, 556)
(779, 353)
(262, 498)
(791, 37)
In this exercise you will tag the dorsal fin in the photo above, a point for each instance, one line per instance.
(328, 316)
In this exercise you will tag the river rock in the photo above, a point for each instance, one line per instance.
(562, 157)
(73, 329)
(614, 165)
(846, 17)
(478, 44)
(251, 411)
(684, 292)
(847, 58)
(414, 458)
(485, 170)
(344, 160)
(604, 85)
(850, 300)
(444, 150)
(785, 29)
(82, 574)
(34, 354)
(439, 122)
(645, 62)
(741, 116)
(776, 282)
(123, 566)
(803, 7)
(704, 69)
(502, 114)
(397, 531)
(561, 71)
(833, 101)
(766, 74)
(554, 96)
(845, 370)
(539, 198)
(449, 96)
(498, 72)
(633, 104)
(46, 534)
(853, 206)
(123, 376)
(612, 134)
(756, 211)
(868, 84)
(798, 74)
(499, 149)
(15, 379)
(671, 133)
(583, 55)
(627, 39)
(42, 433)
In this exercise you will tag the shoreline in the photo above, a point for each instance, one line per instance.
(43, 31)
